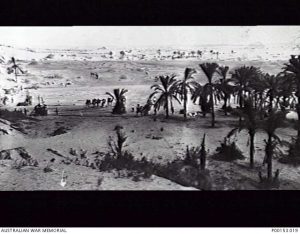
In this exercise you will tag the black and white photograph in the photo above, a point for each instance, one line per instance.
(149, 108)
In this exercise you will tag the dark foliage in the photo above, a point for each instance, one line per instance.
(196, 156)
(293, 156)
(12, 115)
(228, 151)
(185, 172)
(119, 96)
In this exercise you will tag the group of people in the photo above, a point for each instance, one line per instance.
(40, 110)
(144, 110)
(99, 102)
(23, 111)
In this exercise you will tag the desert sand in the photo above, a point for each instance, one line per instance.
(64, 82)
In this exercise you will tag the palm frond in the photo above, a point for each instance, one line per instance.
(111, 95)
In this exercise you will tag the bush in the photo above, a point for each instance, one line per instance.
(293, 156)
(185, 175)
(228, 151)
(59, 131)
(123, 77)
(119, 159)
(196, 157)
(12, 115)
(183, 171)
(127, 162)
(47, 169)
(18, 164)
(50, 56)
(33, 62)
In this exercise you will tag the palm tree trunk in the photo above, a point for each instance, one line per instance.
(167, 108)
(225, 104)
(271, 102)
(212, 109)
(241, 105)
(201, 103)
(269, 155)
(277, 102)
(261, 106)
(298, 109)
(185, 105)
(16, 75)
(252, 134)
(241, 99)
(284, 102)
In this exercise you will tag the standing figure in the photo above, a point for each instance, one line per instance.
(98, 102)
(103, 102)
(5, 100)
(88, 102)
(94, 102)
(138, 109)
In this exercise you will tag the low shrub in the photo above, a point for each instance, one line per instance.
(228, 151)
(47, 169)
(18, 164)
(196, 156)
(123, 77)
(189, 171)
(12, 115)
(293, 156)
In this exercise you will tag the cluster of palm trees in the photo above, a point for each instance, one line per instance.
(262, 99)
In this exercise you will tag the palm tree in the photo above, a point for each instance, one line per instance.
(200, 93)
(269, 126)
(16, 67)
(286, 90)
(258, 87)
(273, 84)
(209, 69)
(242, 77)
(293, 68)
(250, 123)
(223, 87)
(185, 86)
(167, 90)
(119, 96)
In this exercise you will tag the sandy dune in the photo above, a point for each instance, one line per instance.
(89, 128)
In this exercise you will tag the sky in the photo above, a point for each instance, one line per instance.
(149, 36)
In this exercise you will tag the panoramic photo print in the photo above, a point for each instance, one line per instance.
(150, 108)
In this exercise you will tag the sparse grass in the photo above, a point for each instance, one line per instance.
(187, 172)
